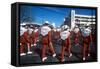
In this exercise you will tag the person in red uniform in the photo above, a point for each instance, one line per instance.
(24, 40)
(57, 33)
(36, 35)
(76, 35)
(93, 30)
(86, 34)
(66, 44)
(46, 41)
(32, 37)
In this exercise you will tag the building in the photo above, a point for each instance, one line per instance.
(77, 19)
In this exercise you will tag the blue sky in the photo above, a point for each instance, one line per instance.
(56, 15)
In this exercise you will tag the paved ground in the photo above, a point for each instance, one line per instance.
(35, 57)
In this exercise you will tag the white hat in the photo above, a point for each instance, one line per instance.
(65, 27)
(23, 24)
(76, 26)
(46, 21)
(58, 29)
(87, 24)
(86, 32)
(22, 30)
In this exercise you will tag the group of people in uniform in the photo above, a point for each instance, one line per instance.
(29, 36)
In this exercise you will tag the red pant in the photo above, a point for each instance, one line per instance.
(24, 40)
(86, 46)
(29, 46)
(22, 48)
(44, 49)
(22, 44)
(86, 50)
(65, 46)
(63, 51)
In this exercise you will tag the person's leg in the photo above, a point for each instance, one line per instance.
(29, 48)
(69, 47)
(69, 51)
(34, 40)
(22, 49)
(62, 53)
(52, 49)
(31, 41)
(44, 53)
(88, 49)
(84, 51)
